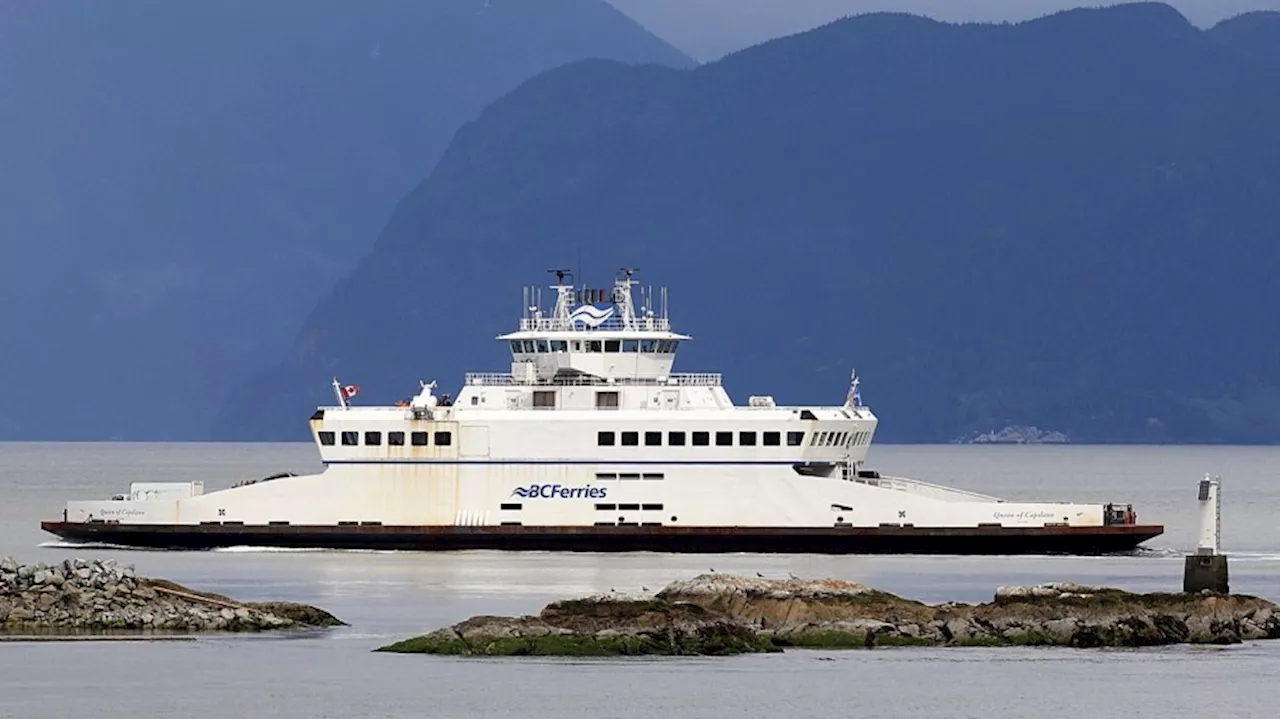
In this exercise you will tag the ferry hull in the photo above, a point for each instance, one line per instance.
(690, 540)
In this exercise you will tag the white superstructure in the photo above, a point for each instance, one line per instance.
(589, 428)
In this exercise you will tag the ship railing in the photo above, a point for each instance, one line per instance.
(925, 489)
(557, 324)
(676, 379)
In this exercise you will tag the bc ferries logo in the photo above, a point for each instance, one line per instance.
(557, 491)
(590, 315)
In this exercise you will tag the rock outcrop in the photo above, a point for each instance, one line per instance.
(725, 614)
(605, 625)
(95, 596)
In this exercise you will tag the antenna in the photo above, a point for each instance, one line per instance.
(560, 273)
(628, 271)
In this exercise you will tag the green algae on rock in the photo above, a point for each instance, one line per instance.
(609, 625)
(720, 614)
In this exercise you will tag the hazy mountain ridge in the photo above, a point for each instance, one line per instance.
(184, 180)
(1064, 222)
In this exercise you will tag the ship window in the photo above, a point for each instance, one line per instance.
(651, 507)
(630, 346)
(528, 346)
(606, 475)
(658, 475)
(649, 346)
(606, 400)
(419, 439)
(772, 439)
(326, 438)
(606, 507)
(542, 346)
(747, 439)
(505, 507)
(604, 439)
(652, 439)
(544, 398)
(444, 439)
(675, 439)
(515, 346)
(612, 345)
(395, 439)
(559, 345)
(373, 438)
(576, 345)
(795, 439)
(626, 475)
(350, 439)
(630, 439)
(593, 345)
(628, 507)
(724, 439)
(701, 439)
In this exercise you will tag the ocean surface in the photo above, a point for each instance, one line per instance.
(388, 596)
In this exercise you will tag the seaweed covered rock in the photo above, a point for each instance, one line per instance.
(605, 625)
(82, 596)
(725, 614)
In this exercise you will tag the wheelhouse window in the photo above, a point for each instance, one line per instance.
(652, 439)
(606, 400)
(630, 346)
(605, 439)
(630, 439)
(795, 439)
(443, 439)
(559, 346)
(649, 346)
(350, 439)
(747, 439)
(593, 345)
(419, 439)
(772, 439)
(373, 439)
(516, 347)
(701, 439)
(327, 439)
(612, 345)
(675, 439)
(395, 439)
(724, 439)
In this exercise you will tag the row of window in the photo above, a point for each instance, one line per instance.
(549, 346)
(839, 439)
(606, 476)
(698, 439)
(515, 507)
(394, 439)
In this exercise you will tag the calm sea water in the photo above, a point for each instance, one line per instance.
(388, 596)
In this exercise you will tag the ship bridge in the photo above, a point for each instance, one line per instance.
(594, 335)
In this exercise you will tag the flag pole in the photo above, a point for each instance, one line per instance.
(337, 391)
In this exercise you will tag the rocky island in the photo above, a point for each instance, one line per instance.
(718, 614)
(79, 597)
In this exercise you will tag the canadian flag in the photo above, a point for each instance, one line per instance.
(349, 391)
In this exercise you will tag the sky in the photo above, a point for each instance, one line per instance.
(708, 29)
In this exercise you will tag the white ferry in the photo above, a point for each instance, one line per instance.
(592, 443)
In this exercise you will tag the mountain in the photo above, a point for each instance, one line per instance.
(1068, 223)
(184, 180)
